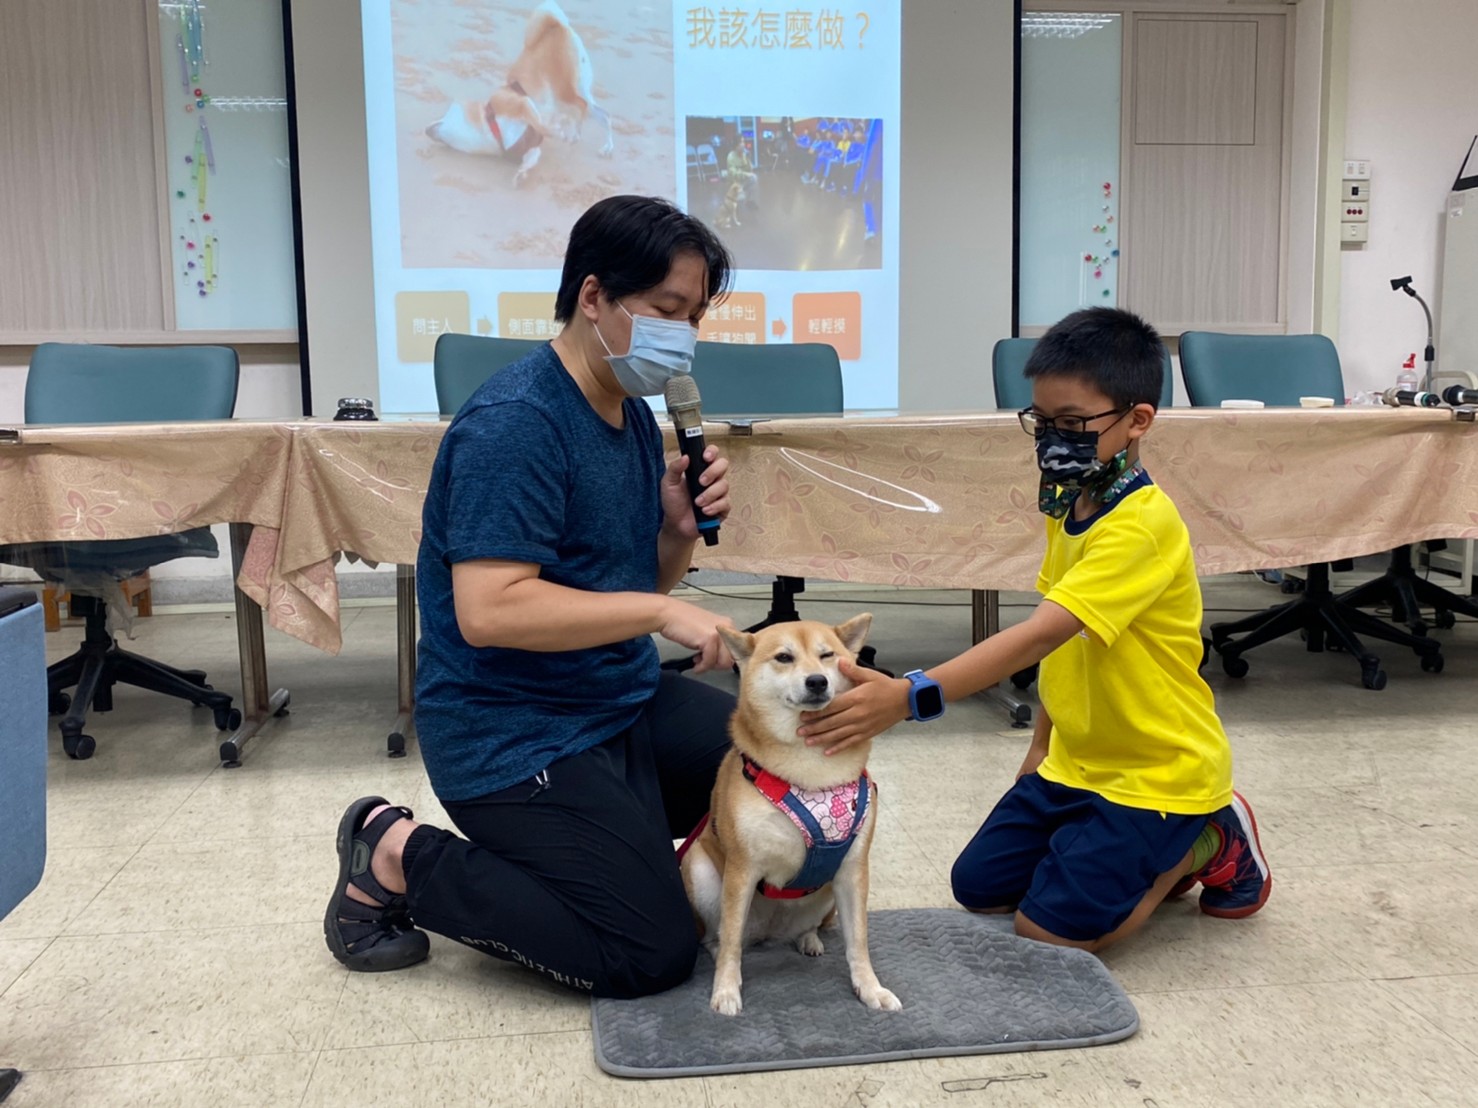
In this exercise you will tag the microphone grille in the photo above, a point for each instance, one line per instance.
(681, 391)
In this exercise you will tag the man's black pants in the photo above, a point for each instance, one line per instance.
(572, 873)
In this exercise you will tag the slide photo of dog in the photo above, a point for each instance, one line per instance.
(812, 187)
(784, 848)
(512, 118)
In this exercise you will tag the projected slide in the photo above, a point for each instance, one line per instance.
(493, 125)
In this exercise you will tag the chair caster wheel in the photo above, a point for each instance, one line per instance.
(395, 745)
(1234, 665)
(1371, 675)
(1022, 679)
(79, 747)
(227, 719)
(1205, 652)
(1445, 621)
(283, 711)
(58, 703)
(1432, 663)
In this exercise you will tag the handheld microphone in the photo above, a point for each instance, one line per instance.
(1406, 398)
(683, 405)
(1456, 395)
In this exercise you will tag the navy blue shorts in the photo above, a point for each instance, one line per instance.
(1074, 863)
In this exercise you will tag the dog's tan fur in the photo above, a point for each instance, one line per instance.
(728, 215)
(748, 839)
(547, 93)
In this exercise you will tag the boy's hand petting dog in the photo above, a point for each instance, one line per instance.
(874, 704)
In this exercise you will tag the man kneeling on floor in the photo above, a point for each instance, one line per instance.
(554, 530)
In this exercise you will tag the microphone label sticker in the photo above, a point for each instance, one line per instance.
(693, 433)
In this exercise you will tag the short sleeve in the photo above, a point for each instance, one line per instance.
(507, 476)
(1121, 573)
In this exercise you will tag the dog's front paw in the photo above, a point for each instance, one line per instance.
(810, 945)
(728, 1002)
(875, 996)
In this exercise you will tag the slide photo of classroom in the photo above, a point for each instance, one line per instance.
(790, 193)
(511, 119)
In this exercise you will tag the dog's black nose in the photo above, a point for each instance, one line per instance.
(816, 683)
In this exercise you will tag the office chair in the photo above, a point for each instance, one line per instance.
(783, 379)
(1278, 369)
(461, 363)
(23, 754)
(1406, 594)
(1013, 393)
(76, 383)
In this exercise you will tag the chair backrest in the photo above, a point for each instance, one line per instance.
(1014, 391)
(803, 378)
(82, 383)
(461, 363)
(1276, 369)
(1008, 360)
(22, 744)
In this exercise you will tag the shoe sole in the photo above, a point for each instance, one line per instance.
(368, 962)
(1254, 844)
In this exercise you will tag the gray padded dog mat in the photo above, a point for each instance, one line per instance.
(968, 983)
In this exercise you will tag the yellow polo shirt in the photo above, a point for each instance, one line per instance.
(1132, 720)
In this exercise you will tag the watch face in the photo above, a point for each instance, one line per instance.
(928, 701)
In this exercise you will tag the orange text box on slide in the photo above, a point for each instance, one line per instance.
(834, 318)
(527, 315)
(738, 318)
(421, 317)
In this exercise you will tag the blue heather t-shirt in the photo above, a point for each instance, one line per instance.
(528, 472)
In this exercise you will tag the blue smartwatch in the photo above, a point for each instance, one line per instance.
(925, 697)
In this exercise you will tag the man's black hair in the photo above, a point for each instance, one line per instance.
(1113, 350)
(629, 243)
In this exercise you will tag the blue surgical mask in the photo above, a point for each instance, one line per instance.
(661, 349)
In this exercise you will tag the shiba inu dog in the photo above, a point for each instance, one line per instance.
(547, 93)
(786, 841)
(728, 215)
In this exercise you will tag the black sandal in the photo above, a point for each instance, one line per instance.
(369, 938)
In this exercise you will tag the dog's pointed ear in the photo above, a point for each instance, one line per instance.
(853, 633)
(740, 643)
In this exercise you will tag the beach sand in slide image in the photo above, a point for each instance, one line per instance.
(476, 209)
(790, 192)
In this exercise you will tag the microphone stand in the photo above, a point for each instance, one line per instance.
(1404, 284)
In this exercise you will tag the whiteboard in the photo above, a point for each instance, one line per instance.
(228, 175)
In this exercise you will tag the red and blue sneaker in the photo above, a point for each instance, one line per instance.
(1237, 881)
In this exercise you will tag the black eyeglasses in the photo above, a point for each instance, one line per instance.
(1034, 423)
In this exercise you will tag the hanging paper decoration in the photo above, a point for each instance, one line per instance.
(201, 252)
(1099, 263)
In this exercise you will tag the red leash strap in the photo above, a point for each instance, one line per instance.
(691, 839)
(772, 788)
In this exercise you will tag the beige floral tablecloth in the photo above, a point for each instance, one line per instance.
(947, 501)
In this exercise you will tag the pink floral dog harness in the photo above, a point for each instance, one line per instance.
(828, 819)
